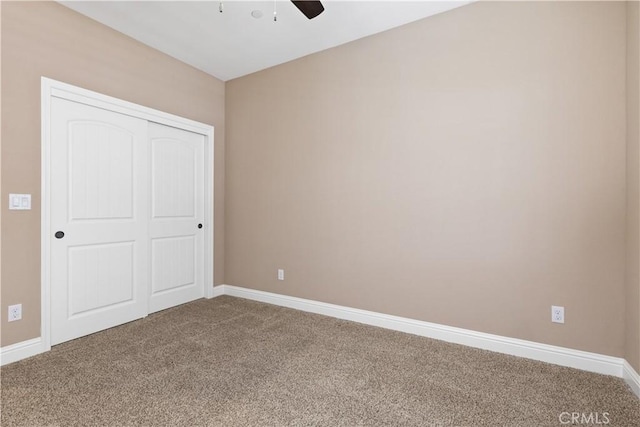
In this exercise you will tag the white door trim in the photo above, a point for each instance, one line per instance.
(52, 88)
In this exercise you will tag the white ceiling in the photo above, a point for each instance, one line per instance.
(233, 43)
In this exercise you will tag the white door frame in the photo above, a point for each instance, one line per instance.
(52, 88)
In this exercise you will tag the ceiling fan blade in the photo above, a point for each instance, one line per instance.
(309, 8)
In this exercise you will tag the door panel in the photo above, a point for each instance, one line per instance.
(99, 200)
(101, 167)
(177, 207)
(174, 169)
(100, 276)
(173, 259)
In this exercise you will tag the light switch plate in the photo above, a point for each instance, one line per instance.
(19, 202)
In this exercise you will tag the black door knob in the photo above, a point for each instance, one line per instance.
(199, 225)
(59, 234)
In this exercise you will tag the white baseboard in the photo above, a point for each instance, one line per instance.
(592, 362)
(217, 291)
(631, 377)
(22, 350)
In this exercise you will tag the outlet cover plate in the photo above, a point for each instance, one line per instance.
(557, 314)
(15, 312)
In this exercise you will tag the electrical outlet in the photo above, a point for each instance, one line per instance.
(15, 312)
(280, 274)
(557, 314)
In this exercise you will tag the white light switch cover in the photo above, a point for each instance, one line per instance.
(19, 202)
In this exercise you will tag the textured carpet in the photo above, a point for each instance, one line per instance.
(232, 362)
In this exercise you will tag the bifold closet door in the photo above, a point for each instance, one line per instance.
(99, 219)
(176, 228)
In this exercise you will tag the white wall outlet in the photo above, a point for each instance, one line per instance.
(280, 274)
(15, 312)
(557, 314)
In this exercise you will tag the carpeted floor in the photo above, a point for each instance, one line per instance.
(232, 362)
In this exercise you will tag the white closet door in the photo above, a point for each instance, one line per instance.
(177, 216)
(99, 200)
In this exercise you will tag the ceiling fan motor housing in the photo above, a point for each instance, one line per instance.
(310, 9)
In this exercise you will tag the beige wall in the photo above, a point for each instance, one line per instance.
(467, 169)
(632, 295)
(46, 39)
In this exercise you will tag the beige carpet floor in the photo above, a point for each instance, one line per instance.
(232, 362)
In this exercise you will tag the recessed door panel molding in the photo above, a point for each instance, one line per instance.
(174, 178)
(100, 276)
(127, 211)
(101, 170)
(174, 263)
